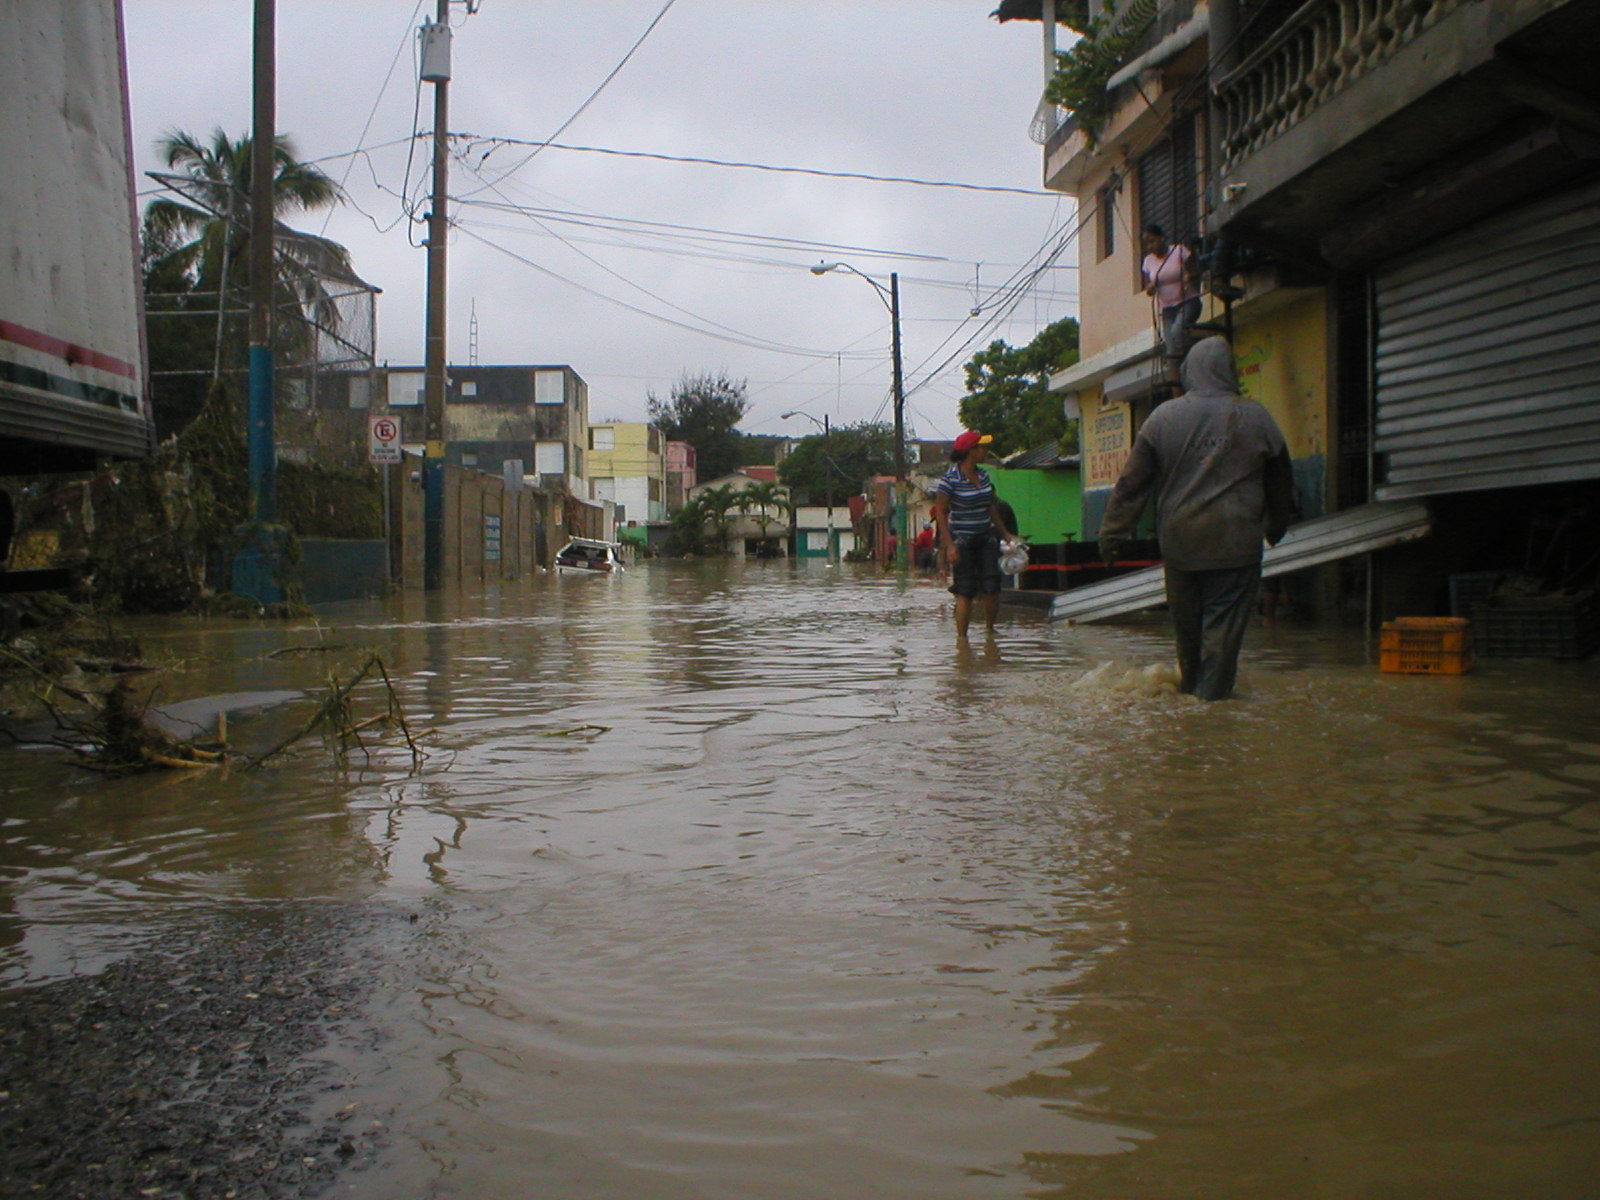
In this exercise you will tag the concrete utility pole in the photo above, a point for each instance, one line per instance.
(890, 296)
(436, 70)
(257, 567)
(902, 492)
(263, 460)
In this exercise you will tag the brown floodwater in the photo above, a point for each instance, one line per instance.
(738, 882)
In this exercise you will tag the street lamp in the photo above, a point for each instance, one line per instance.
(890, 296)
(827, 458)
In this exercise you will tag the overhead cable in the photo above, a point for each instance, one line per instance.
(755, 166)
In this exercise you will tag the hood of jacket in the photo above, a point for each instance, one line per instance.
(1209, 370)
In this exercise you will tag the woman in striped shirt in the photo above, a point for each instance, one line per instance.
(970, 528)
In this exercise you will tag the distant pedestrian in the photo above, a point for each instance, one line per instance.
(1172, 276)
(923, 549)
(1220, 473)
(970, 529)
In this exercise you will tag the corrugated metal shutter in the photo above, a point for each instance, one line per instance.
(1167, 183)
(1488, 354)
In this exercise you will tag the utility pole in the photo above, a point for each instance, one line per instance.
(902, 498)
(263, 473)
(258, 565)
(436, 70)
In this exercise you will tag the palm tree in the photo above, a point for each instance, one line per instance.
(209, 238)
(716, 506)
(760, 499)
(197, 254)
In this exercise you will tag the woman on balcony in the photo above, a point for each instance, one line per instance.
(1172, 276)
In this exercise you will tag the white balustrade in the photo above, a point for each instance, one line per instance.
(1317, 53)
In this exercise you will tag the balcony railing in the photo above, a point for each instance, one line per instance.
(1319, 52)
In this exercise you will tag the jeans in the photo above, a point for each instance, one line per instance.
(1210, 612)
(1175, 323)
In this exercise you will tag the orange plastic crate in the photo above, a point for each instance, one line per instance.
(1426, 646)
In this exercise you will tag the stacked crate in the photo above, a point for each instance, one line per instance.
(1561, 625)
(1426, 646)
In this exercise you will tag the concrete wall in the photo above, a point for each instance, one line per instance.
(1283, 363)
(491, 533)
(333, 569)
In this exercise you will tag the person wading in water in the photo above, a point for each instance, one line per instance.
(970, 529)
(1222, 480)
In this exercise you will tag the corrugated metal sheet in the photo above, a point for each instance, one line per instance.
(1309, 544)
(1488, 354)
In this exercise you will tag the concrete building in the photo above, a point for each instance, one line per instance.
(754, 530)
(1397, 207)
(627, 465)
(681, 477)
(535, 415)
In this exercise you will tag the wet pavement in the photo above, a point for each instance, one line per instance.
(739, 880)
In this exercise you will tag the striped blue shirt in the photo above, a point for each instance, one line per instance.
(969, 502)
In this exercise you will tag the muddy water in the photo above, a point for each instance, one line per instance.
(739, 882)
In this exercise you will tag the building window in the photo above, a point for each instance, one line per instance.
(1169, 185)
(655, 440)
(469, 387)
(549, 387)
(550, 458)
(655, 490)
(602, 439)
(1105, 220)
(404, 388)
(468, 459)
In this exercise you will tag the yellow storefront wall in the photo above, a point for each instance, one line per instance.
(1282, 353)
(1283, 363)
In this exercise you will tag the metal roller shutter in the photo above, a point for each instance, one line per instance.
(1488, 354)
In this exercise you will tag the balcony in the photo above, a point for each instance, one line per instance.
(1352, 106)
(1318, 53)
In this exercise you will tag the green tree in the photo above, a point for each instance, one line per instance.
(1008, 389)
(705, 411)
(687, 533)
(766, 502)
(1105, 43)
(829, 469)
(717, 507)
(214, 227)
(196, 248)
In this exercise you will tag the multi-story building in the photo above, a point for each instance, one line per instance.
(627, 466)
(535, 415)
(681, 477)
(1397, 206)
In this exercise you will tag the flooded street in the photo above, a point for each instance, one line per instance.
(737, 882)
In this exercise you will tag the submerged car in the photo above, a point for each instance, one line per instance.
(588, 556)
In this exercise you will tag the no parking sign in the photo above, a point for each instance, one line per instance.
(383, 439)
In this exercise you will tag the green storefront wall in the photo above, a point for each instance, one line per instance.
(1048, 503)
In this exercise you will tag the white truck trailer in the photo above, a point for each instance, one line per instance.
(72, 359)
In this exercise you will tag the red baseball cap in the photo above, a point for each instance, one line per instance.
(969, 439)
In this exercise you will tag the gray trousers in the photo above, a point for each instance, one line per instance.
(1210, 612)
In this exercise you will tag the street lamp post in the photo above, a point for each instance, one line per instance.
(827, 458)
(890, 296)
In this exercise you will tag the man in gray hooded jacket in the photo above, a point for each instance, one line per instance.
(1222, 480)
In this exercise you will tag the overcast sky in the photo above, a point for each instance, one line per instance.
(636, 271)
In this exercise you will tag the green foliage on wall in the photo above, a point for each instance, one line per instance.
(1079, 84)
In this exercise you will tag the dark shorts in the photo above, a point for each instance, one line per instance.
(976, 571)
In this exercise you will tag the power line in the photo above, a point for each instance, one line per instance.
(384, 87)
(755, 166)
(748, 340)
(579, 111)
